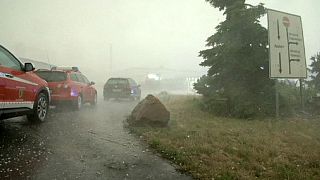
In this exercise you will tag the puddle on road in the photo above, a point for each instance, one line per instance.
(120, 166)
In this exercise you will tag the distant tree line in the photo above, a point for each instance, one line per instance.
(315, 72)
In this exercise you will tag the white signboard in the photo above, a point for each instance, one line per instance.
(286, 43)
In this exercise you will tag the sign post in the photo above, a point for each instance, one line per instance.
(286, 48)
(301, 94)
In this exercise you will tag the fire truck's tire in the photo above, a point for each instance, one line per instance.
(77, 104)
(95, 100)
(40, 109)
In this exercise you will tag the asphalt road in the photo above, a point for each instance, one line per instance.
(90, 144)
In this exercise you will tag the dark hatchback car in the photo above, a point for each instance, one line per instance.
(121, 88)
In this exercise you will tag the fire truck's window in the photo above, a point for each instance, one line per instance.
(74, 77)
(85, 79)
(7, 60)
(80, 79)
(51, 76)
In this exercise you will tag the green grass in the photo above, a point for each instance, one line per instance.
(209, 147)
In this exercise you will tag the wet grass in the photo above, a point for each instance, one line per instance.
(210, 147)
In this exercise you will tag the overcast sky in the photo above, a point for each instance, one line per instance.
(143, 33)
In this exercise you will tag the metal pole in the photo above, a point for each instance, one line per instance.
(277, 99)
(301, 94)
(110, 53)
(48, 59)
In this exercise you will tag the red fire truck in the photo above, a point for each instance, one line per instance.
(21, 91)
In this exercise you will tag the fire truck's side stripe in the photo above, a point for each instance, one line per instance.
(14, 78)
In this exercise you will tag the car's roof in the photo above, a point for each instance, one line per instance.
(57, 70)
(119, 78)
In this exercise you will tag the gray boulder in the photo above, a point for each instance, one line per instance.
(149, 112)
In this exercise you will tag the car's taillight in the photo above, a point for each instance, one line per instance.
(74, 92)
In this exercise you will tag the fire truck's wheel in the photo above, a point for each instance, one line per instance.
(40, 109)
(78, 103)
(95, 100)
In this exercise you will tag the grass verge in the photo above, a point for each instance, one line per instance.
(210, 147)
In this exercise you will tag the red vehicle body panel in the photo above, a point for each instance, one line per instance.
(18, 89)
(26, 83)
(69, 90)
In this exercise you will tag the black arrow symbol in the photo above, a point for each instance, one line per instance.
(296, 43)
(292, 60)
(280, 65)
(278, 29)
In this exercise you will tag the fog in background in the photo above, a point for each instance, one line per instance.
(142, 33)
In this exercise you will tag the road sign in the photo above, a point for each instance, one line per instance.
(286, 45)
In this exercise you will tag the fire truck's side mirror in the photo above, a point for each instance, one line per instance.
(28, 67)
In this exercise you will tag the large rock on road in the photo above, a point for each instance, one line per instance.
(149, 112)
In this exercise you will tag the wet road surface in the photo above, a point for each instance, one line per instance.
(90, 144)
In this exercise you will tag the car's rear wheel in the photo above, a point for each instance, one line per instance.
(40, 109)
(78, 103)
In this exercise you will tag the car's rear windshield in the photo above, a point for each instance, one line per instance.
(52, 76)
(117, 81)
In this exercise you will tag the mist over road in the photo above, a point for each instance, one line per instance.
(90, 144)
